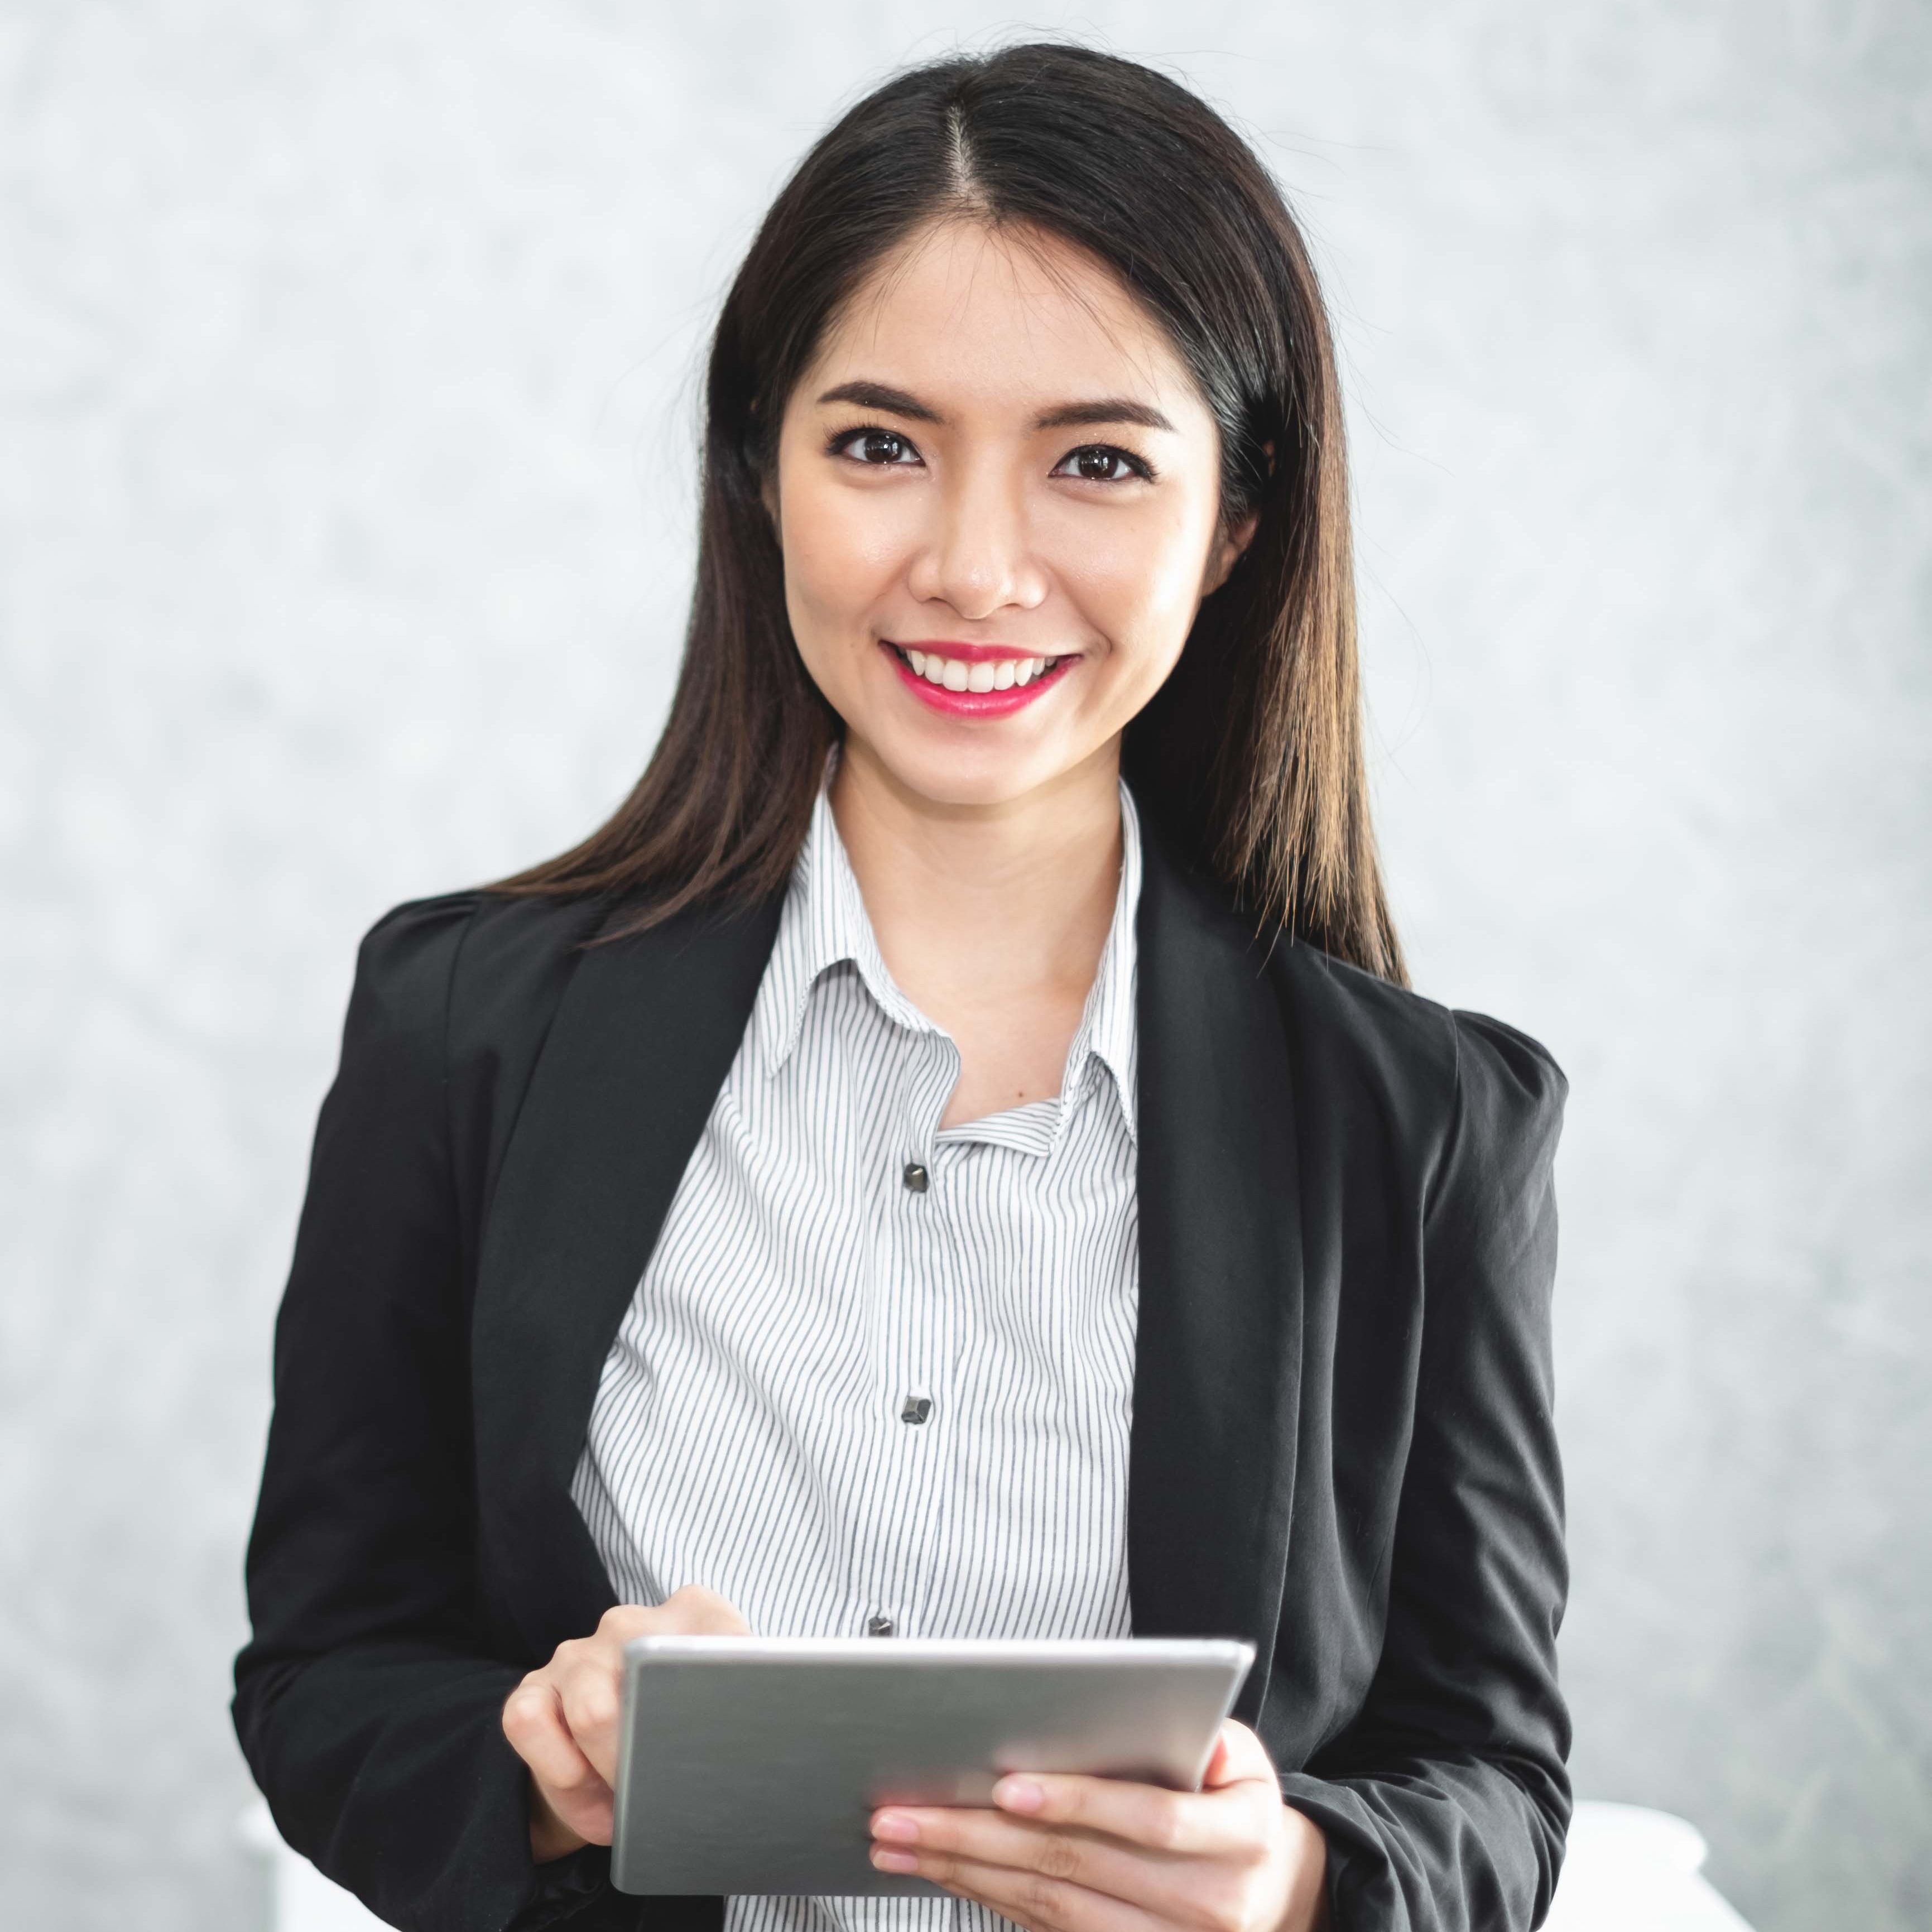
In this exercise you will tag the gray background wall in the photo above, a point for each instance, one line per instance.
(345, 354)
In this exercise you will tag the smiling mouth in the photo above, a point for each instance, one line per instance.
(980, 676)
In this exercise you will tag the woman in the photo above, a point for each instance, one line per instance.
(897, 1177)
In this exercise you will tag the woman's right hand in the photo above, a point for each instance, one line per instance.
(562, 1720)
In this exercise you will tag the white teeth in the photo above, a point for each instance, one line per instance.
(990, 674)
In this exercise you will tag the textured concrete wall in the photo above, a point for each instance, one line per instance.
(345, 354)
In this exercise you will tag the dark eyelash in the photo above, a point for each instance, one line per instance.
(840, 437)
(1139, 465)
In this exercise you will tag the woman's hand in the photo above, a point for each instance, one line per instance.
(1096, 1855)
(562, 1720)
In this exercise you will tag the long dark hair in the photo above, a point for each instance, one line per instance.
(1250, 757)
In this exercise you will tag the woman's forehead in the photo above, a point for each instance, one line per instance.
(1009, 315)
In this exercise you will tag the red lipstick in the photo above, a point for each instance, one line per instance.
(915, 662)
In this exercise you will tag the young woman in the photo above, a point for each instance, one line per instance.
(955, 1155)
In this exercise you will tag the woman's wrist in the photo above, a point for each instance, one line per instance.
(1307, 1909)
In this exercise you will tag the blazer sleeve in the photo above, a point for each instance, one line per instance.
(1445, 1801)
(367, 1703)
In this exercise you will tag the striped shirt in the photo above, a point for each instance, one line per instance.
(878, 1374)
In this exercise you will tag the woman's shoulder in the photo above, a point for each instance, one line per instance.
(471, 962)
(1462, 1081)
(1407, 1028)
(1362, 1036)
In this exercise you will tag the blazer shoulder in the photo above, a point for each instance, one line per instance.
(463, 968)
(1404, 1030)
(1471, 1089)
(1409, 1032)
(455, 998)
(1415, 1048)
(404, 967)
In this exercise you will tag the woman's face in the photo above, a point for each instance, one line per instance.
(999, 502)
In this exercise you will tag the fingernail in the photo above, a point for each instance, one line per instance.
(896, 1826)
(1018, 1794)
(886, 1860)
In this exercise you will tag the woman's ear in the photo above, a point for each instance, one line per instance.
(1233, 539)
(763, 453)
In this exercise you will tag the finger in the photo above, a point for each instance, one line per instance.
(691, 1611)
(1031, 1899)
(695, 1611)
(1182, 1823)
(1147, 1814)
(1174, 1887)
(1239, 1755)
(533, 1722)
(588, 1672)
(590, 1695)
(622, 1621)
(987, 1838)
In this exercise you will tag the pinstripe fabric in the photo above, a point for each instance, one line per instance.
(747, 1432)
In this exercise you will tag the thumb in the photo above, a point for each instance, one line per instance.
(1238, 1756)
(695, 1611)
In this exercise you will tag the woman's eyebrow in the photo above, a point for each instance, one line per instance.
(878, 396)
(1069, 416)
(1106, 409)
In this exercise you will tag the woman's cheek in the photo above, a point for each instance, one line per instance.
(840, 559)
(868, 535)
(1141, 594)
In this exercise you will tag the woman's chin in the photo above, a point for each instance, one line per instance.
(972, 768)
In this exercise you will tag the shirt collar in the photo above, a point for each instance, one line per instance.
(824, 925)
(1107, 1032)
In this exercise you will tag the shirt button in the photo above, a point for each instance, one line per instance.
(915, 1177)
(918, 1407)
(878, 1624)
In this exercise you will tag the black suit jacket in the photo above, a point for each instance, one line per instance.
(1343, 1446)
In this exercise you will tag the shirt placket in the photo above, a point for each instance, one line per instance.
(914, 1319)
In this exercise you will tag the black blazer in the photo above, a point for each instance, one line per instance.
(1342, 1447)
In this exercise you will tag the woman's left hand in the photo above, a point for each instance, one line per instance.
(1098, 1855)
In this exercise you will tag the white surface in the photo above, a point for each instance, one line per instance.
(301, 1899)
(1628, 1870)
(1631, 1869)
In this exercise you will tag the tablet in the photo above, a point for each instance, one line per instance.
(753, 1764)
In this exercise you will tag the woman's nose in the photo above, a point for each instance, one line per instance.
(979, 557)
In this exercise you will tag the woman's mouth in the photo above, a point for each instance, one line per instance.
(977, 680)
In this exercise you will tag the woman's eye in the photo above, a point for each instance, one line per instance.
(878, 447)
(1098, 463)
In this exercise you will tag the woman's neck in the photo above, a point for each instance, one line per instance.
(991, 918)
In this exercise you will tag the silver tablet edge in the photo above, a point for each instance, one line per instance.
(1232, 1653)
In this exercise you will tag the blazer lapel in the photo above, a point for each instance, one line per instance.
(1218, 1356)
(641, 1043)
